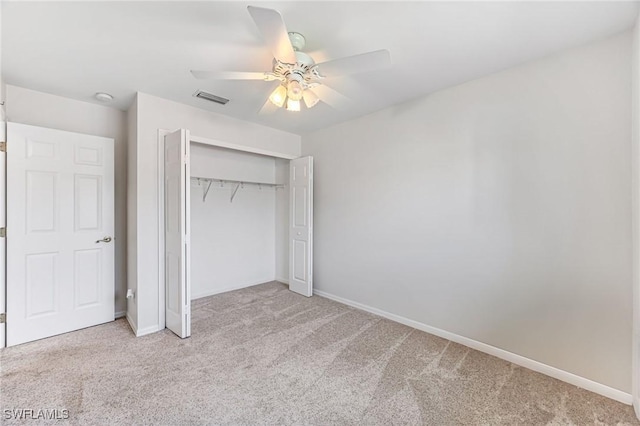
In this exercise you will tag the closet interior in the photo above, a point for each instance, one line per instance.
(232, 219)
(239, 219)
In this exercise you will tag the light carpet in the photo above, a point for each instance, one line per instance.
(264, 355)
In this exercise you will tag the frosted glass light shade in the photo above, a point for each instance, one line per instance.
(310, 98)
(278, 96)
(293, 105)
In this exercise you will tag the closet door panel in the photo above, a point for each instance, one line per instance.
(301, 226)
(176, 226)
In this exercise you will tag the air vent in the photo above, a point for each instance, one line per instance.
(210, 97)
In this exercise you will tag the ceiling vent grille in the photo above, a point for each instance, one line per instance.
(210, 97)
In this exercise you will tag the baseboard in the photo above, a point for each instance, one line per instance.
(132, 324)
(283, 280)
(226, 289)
(148, 330)
(120, 314)
(520, 360)
(139, 332)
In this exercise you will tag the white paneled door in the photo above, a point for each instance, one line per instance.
(60, 226)
(176, 233)
(301, 229)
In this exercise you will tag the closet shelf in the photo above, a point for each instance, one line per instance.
(238, 183)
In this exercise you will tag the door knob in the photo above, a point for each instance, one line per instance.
(104, 240)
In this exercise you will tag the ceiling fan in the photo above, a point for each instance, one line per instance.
(299, 76)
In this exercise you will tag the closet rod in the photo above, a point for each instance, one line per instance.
(239, 184)
(244, 182)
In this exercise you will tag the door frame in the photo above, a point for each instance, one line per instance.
(3, 241)
(161, 243)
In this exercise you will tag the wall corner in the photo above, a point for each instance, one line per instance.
(635, 214)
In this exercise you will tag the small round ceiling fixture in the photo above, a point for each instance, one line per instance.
(104, 97)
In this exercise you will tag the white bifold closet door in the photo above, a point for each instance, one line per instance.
(60, 224)
(177, 231)
(301, 226)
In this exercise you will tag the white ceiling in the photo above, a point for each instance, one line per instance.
(75, 49)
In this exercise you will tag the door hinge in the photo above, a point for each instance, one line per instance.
(3, 147)
(3, 232)
(3, 318)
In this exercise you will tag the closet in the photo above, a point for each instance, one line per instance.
(233, 217)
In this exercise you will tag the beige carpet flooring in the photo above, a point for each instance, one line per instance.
(264, 355)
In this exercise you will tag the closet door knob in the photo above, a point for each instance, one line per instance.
(104, 240)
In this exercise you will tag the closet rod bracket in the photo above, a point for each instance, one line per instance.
(234, 192)
(206, 191)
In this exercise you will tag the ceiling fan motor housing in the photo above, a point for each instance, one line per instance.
(303, 71)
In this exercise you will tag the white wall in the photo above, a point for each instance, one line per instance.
(2, 82)
(635, 166)
(132, 211)
(232, 243)
(3, 91)
(498, 210)
(221, 163)
(45, 110)
(153, 114)
(282, 222)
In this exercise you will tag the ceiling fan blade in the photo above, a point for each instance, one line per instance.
(229, 75)
(331, 97)
(355, 64)
(274, 32)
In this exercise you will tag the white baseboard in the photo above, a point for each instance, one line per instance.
(132, 324)
(226, 289)
(148, 330)
(120, 314)
(520, 360)
(283, 280)
(139, 332)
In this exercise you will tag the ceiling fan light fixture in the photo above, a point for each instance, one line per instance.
(278, 96)
(294, 90)
(295, 70)
(310, 98)
(293, 105)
